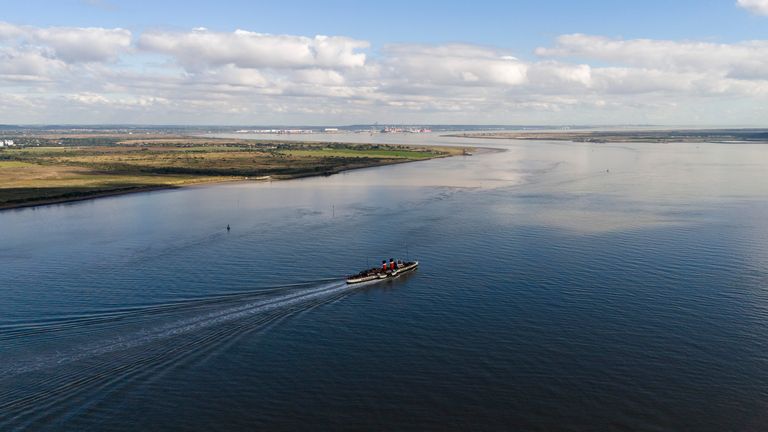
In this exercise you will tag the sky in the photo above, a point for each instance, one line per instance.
(682, 62)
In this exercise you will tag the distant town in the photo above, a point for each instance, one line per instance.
(387, 129)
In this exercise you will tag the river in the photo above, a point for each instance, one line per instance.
(562, 286)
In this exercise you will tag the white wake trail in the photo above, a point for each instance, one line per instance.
(184, 326)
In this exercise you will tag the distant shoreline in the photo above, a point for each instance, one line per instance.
(753, 136)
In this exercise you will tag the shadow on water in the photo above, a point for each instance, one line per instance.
(26, 197)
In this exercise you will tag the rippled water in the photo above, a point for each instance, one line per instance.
(563, 286)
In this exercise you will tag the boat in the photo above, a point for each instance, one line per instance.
(377, 274)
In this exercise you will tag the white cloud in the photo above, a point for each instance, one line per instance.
(84, 44)
(755, 6)
(621, 80)
(28, 65)
(202, 48)
(8, 30)
(319, 77)
(454, 65)
(99, 74)
(234, 76)
(684, 56)
(555, 75)
(71, 44)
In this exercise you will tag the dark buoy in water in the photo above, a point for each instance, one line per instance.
(227, 227)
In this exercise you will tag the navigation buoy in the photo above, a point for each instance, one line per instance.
(227, 227)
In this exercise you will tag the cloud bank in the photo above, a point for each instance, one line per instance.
(93, 75)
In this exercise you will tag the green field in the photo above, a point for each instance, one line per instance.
(14, 164)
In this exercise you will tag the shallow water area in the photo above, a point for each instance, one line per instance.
(562, 286)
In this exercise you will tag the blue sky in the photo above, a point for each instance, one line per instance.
(517, 25)
(427, 61)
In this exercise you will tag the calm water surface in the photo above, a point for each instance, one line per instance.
(563, 286)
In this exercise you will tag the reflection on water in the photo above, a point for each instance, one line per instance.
(563, 286)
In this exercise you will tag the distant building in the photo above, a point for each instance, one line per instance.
(276, 131)
(7, 143)
(331, 130)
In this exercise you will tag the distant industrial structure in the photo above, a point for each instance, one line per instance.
(7, 143)
(276, 131)
(396, 129)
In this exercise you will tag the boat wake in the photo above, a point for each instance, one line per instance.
(135, 342)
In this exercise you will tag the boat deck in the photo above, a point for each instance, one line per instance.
(377, 274)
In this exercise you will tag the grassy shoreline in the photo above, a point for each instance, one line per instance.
(35, 176)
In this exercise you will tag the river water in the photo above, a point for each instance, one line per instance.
(563, 286)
